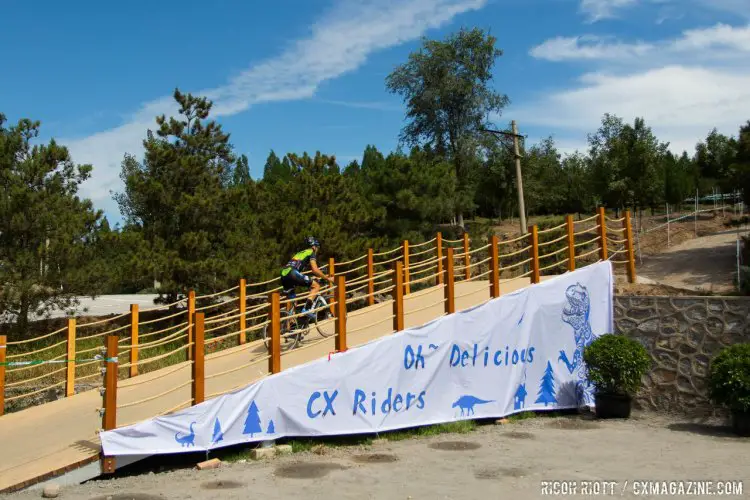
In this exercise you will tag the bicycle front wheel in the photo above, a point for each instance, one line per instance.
(325, 321)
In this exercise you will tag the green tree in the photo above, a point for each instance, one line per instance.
(446, 87)
(741, 166)
(241, 174)
(45, 227)
(177, 198)
(714, 158)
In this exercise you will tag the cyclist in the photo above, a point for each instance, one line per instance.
(292, 274)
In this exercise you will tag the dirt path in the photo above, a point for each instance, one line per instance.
(706, 264)
(494, 461)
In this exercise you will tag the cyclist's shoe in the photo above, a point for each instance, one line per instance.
(309, 315)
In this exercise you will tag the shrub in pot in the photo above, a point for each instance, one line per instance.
(729, 384)
(616, 365)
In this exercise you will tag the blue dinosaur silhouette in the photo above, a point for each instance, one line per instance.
(576, 314)
(187, 439)
(466, 403)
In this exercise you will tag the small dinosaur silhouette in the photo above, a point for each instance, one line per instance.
(467, 403)
(188, 439)
(433, 346)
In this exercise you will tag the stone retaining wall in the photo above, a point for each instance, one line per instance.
(682, 334)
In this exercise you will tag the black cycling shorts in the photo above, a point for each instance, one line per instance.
(295, 279)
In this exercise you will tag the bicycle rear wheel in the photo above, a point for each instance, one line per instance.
(290, 332)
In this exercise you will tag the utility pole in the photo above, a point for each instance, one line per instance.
(519, 179)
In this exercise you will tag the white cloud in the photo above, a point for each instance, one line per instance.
(340, 42)
(683, 87)
(717, 42)
(597, 10)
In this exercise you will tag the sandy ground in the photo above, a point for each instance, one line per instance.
(495, 461)
(706, 264)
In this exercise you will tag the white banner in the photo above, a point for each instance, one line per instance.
(519, 352)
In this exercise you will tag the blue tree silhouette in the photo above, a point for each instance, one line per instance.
(252, 422)
(271, 429)
(547, 387)
(218, 435)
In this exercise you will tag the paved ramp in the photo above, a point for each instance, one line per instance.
(59, 436)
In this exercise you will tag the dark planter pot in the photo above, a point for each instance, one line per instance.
(741, 423)
(612, 405)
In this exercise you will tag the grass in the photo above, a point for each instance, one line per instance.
(313, 444)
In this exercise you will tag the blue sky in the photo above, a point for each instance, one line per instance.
(297, 76)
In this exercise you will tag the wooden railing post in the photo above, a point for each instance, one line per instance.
(109, 418)
(534, 235)
(450, 283)
(199, 373)
(191, 313)
(134, 315)
(3, 353)
(340, 314)
(467, 258)
(629, 243)
(370, 277)
(602, 234)
(439, 255)
(70, 378)
(494, 267)
(332, 272)
(407, 288)
(571, 243)
(398, 296)
(243, 309)
(274, 347)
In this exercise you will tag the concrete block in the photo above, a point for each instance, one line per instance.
(258, 453)
(502, 421)
(51, 491)
(214, 463)
(284, 449)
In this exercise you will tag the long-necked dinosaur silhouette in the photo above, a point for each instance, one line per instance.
(187, 439)
(467, 403)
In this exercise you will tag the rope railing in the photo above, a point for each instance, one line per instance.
(420, 263)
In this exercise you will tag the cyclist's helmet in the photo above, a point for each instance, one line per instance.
(312, 242)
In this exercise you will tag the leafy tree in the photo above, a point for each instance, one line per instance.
(714, 158)
(741, 167)
(446, 86)
(44, 226)
(241, 174)
(177, 198)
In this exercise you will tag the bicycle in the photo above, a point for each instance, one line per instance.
(293, 330)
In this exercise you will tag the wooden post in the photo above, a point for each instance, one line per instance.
(571, 243)
(3, 352)
(370, 277)
(199, 373)
(109, 419)
(340, 314)
(274, 347)
(450, 283)
(191, 313)
(629, 243)
(243, 309)
(398, 296)
(407, 288)
(467, 257)
(134, 314)
(494, 267)
(439, 252)
(70, 378)
(602, 234)
(535, 277)
(331, 268)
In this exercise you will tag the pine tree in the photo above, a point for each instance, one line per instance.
(218, 434)
(547, 387)
(252, 422)
(271, 429)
